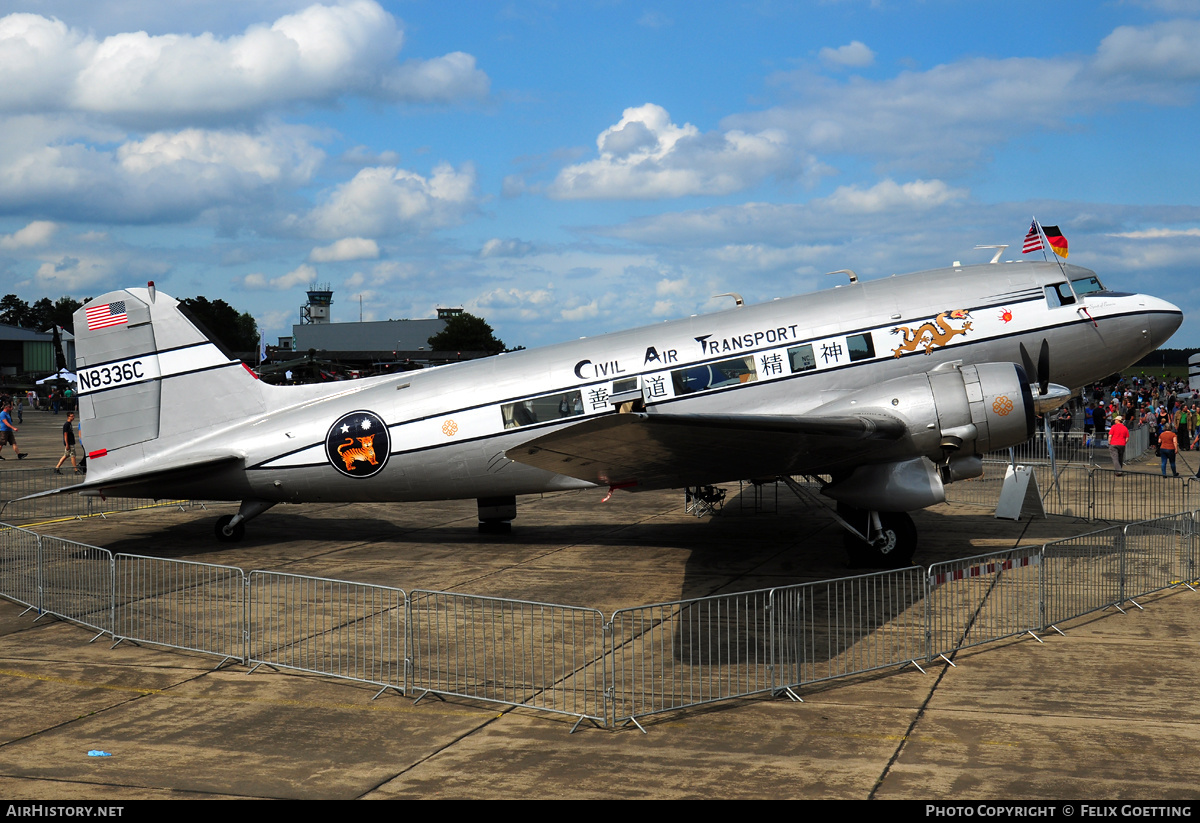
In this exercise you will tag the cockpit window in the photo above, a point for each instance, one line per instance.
(1059, 295)
(1086, 285)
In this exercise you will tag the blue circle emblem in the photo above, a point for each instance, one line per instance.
(358, 444)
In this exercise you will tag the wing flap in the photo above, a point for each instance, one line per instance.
(652, 451)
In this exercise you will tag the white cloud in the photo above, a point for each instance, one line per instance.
(854, 54)
(302, 275)
(315, 55)
(510, 247)
(949, 117)
(385, 200)
(1162, 50)
(1156, 234)
(646, 156)
(36, 233)
(71, 273)
(49, 166)
(348, 248)
(887, 195)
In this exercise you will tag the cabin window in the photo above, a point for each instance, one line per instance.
(801, 358)
(861, 346)
(542, 409)
(714, 375)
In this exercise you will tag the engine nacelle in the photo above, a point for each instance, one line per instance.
(952, 415)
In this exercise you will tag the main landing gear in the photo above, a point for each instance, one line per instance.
(231, 528)
(873, 539)
(877, 540)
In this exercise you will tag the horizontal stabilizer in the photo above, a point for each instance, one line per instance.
(147, 483)
(654, 451)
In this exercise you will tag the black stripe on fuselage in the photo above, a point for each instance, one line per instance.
(709, 393)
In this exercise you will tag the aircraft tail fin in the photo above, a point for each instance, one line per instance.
(149, 379)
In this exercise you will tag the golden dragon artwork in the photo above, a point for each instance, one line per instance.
(933, 334)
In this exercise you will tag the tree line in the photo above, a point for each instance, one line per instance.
(235, 330)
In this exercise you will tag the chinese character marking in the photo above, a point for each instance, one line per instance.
(656, 387)
(831, 351)
(772, 363)
(598, 398)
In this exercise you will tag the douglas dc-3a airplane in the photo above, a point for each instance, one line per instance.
(889, 388)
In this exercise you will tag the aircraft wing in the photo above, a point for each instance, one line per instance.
(654, 451)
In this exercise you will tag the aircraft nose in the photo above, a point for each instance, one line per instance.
(1162, 319)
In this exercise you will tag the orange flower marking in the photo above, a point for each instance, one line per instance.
(449, 428)
(1005, 315)
(1002, 405)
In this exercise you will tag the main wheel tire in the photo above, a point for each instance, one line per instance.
(893, 549)
(236, 535)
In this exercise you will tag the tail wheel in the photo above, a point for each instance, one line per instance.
(227, 535)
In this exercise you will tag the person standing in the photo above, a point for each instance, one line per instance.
(68, 445)
(1118, 438)
(1167, 444)
(8, 432)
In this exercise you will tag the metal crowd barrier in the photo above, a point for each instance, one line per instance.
(1082, 574)
(76, 582)
(512, 652)
(180, 604)
(18, 483)
(834, 628)
(19, 566)
(980, 599)
(643, 661)
(668, 656)
(1090, 493)
(353, 631)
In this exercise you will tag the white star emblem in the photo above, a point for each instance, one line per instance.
(345, 429)
(366, 424)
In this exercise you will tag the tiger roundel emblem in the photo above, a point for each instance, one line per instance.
(358, 444)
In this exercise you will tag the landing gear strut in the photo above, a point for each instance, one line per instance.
(231, 528)
(891, 543)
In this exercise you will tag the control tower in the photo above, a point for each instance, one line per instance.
(316, 310)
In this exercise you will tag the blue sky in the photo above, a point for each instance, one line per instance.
(565, 169)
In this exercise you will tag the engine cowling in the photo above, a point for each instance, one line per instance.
(953, 415)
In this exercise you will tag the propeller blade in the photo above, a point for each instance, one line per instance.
(1027, 363)
(1043, 367)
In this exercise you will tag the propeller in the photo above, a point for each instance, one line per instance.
(1042, 373)
(1045, 398)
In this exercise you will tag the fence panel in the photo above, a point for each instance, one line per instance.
(19, 566)
(984, 598)
(519, 653)
(1158, 554)
(182, 604)
(354, 631)
(17, 483)
(834, 628)
(1082, 574)
(1136, 496)
(668, 656)
(77, 582)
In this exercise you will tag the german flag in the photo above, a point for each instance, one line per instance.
(1058, 243)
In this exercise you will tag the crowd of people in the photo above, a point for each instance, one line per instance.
(1109, 411)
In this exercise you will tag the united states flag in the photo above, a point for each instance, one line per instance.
(1033, 240)
(110, 314)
